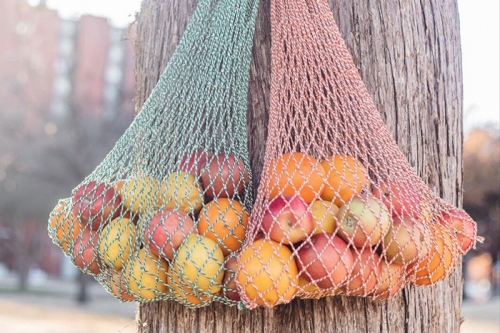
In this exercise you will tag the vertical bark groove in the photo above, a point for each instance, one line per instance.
(408, 53)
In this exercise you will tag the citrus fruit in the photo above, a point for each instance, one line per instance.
(440, 259)
(268, 273)
(295, 174)
(224, 221)
(345, 177)
(65, 225)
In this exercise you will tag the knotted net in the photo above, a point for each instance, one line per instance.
(339, 210)
(164, 214)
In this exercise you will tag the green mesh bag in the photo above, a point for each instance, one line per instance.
(163, 216)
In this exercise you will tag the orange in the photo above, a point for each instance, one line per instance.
(295, 174)
(268, 273)
(224, 221)
(345, 177)
(184, 294)
(65, 225)
(439, 261)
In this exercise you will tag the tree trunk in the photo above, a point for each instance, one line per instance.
(408, 53)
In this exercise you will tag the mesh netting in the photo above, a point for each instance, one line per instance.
(339, 210)
(164, 214)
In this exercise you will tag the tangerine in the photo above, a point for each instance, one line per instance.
(440, 259)
(295, 173)
(345, 177)
(224, 221)
(65, 224)
(268, 273)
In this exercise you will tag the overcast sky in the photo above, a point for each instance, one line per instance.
(480, 30)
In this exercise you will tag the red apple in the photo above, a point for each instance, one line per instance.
(325, 260)
(224, 177)
(363, 221)
(259, 235)
(166, 231)
(229, 288)
(287, 220)
(96, 204)
(390, 281)
(399, 198)
(194, 162)
(404, 243)
(465, 228)
(86, 251)
(365, 273)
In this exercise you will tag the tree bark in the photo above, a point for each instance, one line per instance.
(408, 53)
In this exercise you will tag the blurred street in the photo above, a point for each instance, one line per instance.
(481, 317)
(52, 308)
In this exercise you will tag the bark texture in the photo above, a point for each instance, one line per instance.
(408, 53)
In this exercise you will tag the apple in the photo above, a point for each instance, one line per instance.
(404, 243)
(224, 177)
(390, 281)
(259, 235)
(166, 231)
(307, 289)
(146, 275)
(85, 252)
(287, 220)
(325, 260)
(399, 198)
(181, 190)
(96, 204)
(139, 194)
(363, 221)
(229, 288)
(195, 162)
(324, 216)
(365, 273)
(116, 242)
(465, 228)
(199, 261)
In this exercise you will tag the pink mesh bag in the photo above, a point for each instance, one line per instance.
(339, 210)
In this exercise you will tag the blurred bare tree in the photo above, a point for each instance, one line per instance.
(44, 167)
(44, 152)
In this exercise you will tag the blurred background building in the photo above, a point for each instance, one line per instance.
(66, 95)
